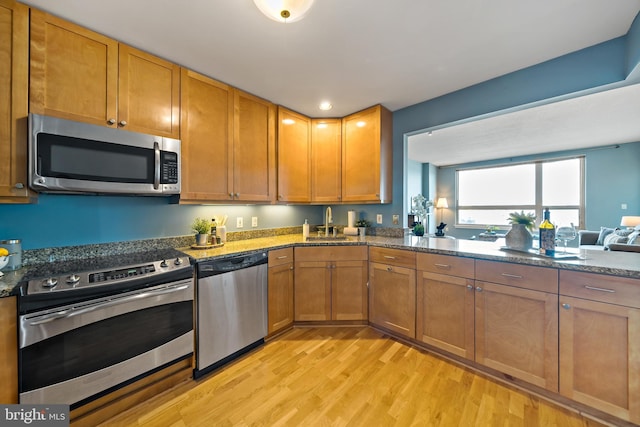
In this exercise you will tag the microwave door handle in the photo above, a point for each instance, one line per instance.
(156, 172)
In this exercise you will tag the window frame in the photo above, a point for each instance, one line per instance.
(538, 207)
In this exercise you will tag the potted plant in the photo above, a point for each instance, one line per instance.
(201, 227)
(420, 207)
(362, 225)
(418, 229)
(519, 237)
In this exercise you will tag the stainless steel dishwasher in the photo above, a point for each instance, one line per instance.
(231, 311)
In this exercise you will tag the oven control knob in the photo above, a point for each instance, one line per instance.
(49, 283)
(178, 261)
(73, 279)
(164, 263)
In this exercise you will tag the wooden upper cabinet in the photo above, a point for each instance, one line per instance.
(326, 160)
(14, 72)
(228, 143)
(148, 93)
(294, 157)
(367, 156)
(81, 75)
(207, 137)
(254, 149)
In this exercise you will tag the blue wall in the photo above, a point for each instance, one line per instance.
(75, 220)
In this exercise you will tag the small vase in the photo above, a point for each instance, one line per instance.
(202, 239)
(519, 238)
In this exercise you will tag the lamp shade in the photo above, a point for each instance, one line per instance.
(284, 10)
(630, 221)
(442, 203)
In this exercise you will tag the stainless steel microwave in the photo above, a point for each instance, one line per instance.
(72, 157)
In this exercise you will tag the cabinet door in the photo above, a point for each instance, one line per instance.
(294, 149)
(326, 160)
(312, 286)
(207, 138)
(74, 71)
(14, 72)
(254, 150)
(349, 290)
(280, 297)
(148, 93)
(367, 156)
(600, 356)
(445, 313)
(8, 349)
(517, 332)
(392, 298)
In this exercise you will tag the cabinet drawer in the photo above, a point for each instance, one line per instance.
(331, 253)
(280, 256)
(393, 257)
(521, 276)
(446, 264)
(600, 287)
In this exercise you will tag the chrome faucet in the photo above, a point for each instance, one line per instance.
(327, 220)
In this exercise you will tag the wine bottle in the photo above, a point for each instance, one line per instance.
(547, 235)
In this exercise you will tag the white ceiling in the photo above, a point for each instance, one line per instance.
(603, 118)
(354, 53)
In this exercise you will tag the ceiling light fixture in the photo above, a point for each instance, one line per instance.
(325, 106)
(284, 10)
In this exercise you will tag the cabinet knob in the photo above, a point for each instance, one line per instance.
(389, 269)
(122, 123)
(231, 195)
(470, 287)
(479, 289)
(566, 306)
(291, 268)
(111, 122)
(237, 195)
(19, 185)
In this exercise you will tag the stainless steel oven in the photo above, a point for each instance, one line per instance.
(85, 334)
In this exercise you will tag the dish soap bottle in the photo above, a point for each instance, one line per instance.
(547, 235)
(305, 229)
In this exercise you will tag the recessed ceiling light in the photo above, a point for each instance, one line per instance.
(325, 106)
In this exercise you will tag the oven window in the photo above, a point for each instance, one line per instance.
(75, 158)
(103, 344)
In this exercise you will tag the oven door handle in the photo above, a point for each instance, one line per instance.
(63, 314)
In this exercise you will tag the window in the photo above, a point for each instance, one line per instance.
(486, 196)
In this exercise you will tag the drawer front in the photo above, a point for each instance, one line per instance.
(280, 256)
(331, 253)
(395, 257)
(600, 287)
(521, 276)
(446, 264)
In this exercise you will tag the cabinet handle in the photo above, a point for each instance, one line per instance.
(389, 257)
(479, 289)
(122, 123)
(513, 276)
(111, 122)
(447, 266)
(283, 257)
(566, 306)
(593, 288)
(470, 287)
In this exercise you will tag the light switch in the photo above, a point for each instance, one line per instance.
(379, 218)
(254, 221)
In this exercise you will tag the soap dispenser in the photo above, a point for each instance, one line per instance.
(305, 229)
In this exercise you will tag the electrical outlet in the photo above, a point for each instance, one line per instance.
(379, 218)
(239, 222)
(395, 219)
(254, 221)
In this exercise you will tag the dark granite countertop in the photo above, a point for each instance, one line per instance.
(616, 263)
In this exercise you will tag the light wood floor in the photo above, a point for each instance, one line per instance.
(347, 376)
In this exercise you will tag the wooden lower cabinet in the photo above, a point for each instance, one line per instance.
(8, 350)
(330, 283)
(600, 342)
(392, 290)
(280, 290)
